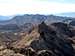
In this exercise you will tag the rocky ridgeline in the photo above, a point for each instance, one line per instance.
(54, 40)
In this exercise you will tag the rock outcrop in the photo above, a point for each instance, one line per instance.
(64, 29)
(50, 40)
(72, 23)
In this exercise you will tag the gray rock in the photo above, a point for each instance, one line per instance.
(49, 40)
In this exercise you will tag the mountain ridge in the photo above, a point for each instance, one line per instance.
(67, 14)
(35, 19)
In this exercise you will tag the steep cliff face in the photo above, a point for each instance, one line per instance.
(50, 40)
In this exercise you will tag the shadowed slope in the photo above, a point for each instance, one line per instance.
(49, 40)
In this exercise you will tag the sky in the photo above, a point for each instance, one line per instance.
(12, 7)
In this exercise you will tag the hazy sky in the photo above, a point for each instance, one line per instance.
(11, 7)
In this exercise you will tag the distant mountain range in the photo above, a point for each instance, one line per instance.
(2, 18)
(67, 14)
(34, 19)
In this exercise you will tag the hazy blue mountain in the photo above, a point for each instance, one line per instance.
(2, 18)
(34, 19)
(67, 14)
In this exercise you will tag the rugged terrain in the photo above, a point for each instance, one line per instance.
(37, 35)
(56, 39)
